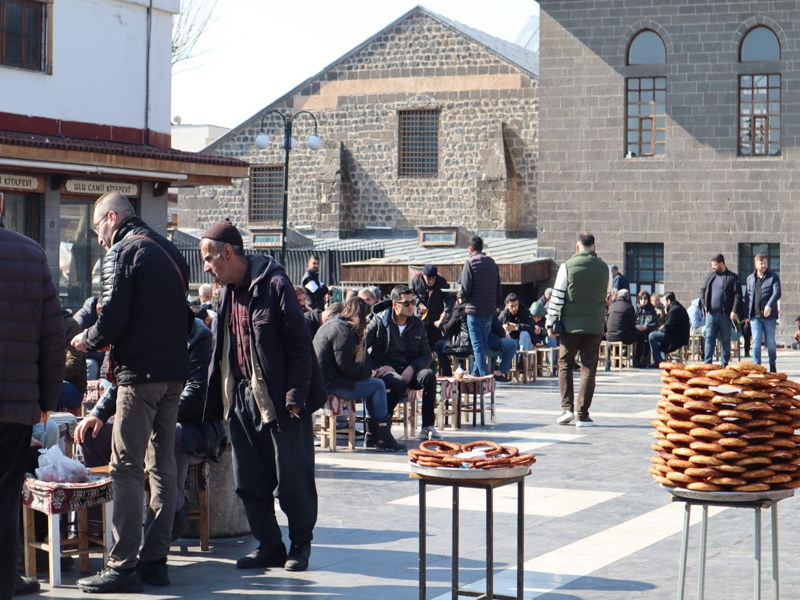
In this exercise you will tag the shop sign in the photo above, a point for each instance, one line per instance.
(87, 187)
(21, 183)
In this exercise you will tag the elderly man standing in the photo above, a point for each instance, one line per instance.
(578, 301)
(143, 318)
(433, 305)
(32, 351)
(763, 293)
(265, 378)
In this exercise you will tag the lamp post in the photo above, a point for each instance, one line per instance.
(262, 141)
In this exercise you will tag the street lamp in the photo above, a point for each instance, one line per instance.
(262, 141)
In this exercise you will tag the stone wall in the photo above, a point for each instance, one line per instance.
(699, 199)
(487, 105)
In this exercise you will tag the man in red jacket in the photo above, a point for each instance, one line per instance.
(32, 353)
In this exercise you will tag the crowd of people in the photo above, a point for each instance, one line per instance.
(263, 355)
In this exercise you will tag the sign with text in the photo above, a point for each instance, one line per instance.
(11, 182)
(87, 187)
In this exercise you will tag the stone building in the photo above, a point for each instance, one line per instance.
(669, 129)
(427, 123)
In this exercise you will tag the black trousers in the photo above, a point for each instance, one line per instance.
(15, 441)
(268, 462)
(396, 390)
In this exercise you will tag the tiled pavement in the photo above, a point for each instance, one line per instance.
(596, 526)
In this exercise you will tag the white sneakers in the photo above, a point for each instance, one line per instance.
(566, 418)
(429, 433)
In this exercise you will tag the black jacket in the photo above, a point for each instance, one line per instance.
(86, 317)
(433, 298)
(335, 346)
(523, 319)
(193, 397)
(315, 290)
(676, 328)
(314, 320)
(143, 314)
(456, 333)
(387, 347)
(731, 292)
(480, 285)
(621, 322)
(646, 316)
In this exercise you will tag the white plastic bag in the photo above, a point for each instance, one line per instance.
(57, 468)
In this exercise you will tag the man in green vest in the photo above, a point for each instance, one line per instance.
(578, 302)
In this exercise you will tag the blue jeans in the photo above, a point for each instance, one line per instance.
(479, 330)
(70, 397)
(48, 436)
(765, 327)
(717, 326)
(655, 345)
(372, 390)
(525, 342)
(506, 355)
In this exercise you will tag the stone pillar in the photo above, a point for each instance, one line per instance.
(495, 208)
(334, 193)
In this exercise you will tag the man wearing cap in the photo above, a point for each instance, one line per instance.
(265, 378)
(143, 318)
(618, 280)
(434, 306)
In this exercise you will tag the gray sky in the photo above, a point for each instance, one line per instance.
(258, 50)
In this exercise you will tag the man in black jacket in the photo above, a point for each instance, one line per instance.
(143, 317)
(673, 334)
(722, 297)
(400, 355)
(518, 323)
(433, 305)
(621, 324)
(316, 290)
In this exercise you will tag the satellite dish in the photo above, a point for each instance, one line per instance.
(176, 120)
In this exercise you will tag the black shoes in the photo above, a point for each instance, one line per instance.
(25, 585)
(298, 557)
(180, 520)
(155, 572)
(262, 558)
(112, 580)
(385, 439)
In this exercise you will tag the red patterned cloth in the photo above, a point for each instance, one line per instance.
(336, 406)
(198, 477)
(59, 498)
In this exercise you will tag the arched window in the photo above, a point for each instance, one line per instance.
(646, 97)
(760, 44)
(647, 48)
(760, 95)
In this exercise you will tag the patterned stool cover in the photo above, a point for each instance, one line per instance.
(59, 498)
(448, 389)
(469, 385)
(336, 406)
(198, 477)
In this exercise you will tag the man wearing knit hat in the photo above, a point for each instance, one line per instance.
(265, 378)
(143, 318)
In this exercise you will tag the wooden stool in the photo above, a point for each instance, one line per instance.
(473, 389)
(446, 401)
(197, 480)
(697, 352)
(406, 412)
(55, 499)
(544, 361)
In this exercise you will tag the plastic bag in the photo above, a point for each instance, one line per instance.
(57, 468)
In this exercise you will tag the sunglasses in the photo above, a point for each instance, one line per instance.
(406, 303)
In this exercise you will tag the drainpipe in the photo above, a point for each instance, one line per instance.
(147, 75)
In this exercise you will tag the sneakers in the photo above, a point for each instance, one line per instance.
(429, 433)
(25, 585)
(180, 520)
(584, 422)
(262, 558)
(154, 573)
(112, 580)
(298, 557)
(501, 379)
(566, 418)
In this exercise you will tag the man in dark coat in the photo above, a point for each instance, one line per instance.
(518, 323)
(143, 317)
(32, 352)
(399, 354)
(621, 324)
(434, 306)
(673, 334)
(763, 293)
(618, 279)
(722, 297)
(264, 377)
(316, 290)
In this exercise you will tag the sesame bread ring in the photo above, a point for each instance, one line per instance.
(679, 477)
(747, 382)
(730, 455)
(656, 447)
(724, 374)
(753, 461)
(778, 478)
(523, 460)
(699, 405)
(757, 435)
(732, 442)
(791, 384)
(727, 427)
(757, 474)
(702, 472)
(669, 365)
(678, 412)
(756, 448)
(764, 423)
(728, 481)
(703, 382)
(779, 403)
(683, 452)
(664, 481)
(783, 391)
(706, 447)
(664, 428)
(735, 414)
(731, 469)
(511, 451)
(661, 415)
(680, 437)
(667, 378)
(493, 447)
(706, 419)
(681, 374)
(782, 442)
(440, 447)
(676, 463)
(722, 401)
(699, 393)
(747, 367)
(752, 406)
(679, 386)
(666, 444)
(657, 460)
(702, 367)
(702, 432)
(677, 398)
(789, 485)
(702, 486)
(784, 467)
(654, 471)
(775, 416)
(704, 461)
(681, 425)
(751, 487)
(787, 429)
(753, 395)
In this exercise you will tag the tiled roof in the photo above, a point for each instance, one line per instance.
(116, 148)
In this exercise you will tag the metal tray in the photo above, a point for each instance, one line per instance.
(454, 473)
(730, 496)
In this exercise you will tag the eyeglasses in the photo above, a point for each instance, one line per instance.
(406, 303)
(96, 226)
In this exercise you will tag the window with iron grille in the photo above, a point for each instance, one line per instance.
(759, 115)
(747, 252)
(419, 143)
(646, 123)
(266, 193)
(22, 25)
(644, 267)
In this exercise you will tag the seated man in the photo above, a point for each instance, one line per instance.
(74, 385)
(673, 334)
(195, 441)
(697, 316)
(399, 354)
(621, 324)
(517, 323)
(539, 335)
